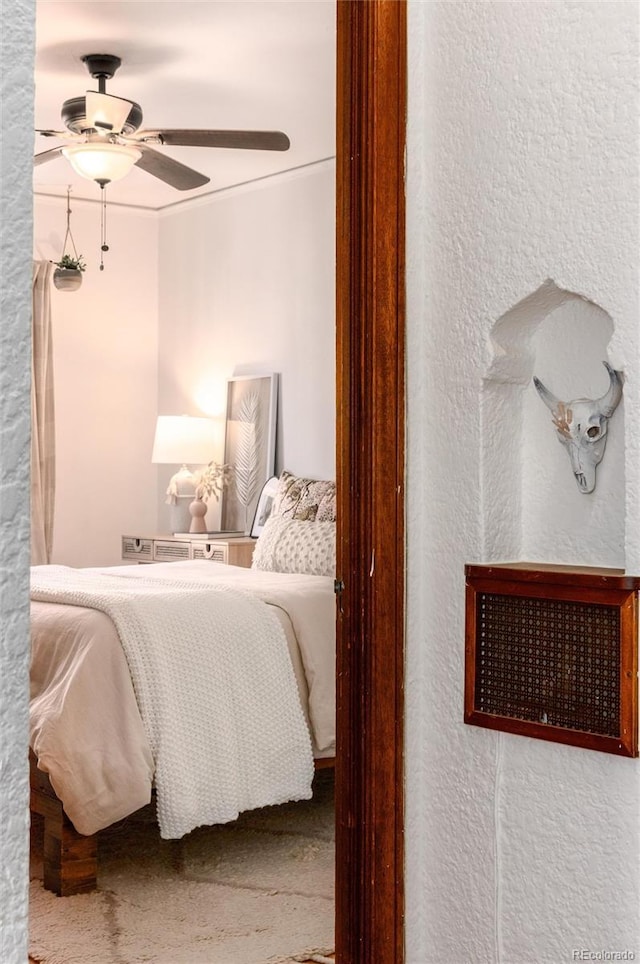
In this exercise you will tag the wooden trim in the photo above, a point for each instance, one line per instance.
(371, 126)
(547, 574)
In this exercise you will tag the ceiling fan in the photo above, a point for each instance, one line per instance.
(106, 140)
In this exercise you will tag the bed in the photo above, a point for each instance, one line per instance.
(210, 687)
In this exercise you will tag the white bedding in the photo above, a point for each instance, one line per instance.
(85, 725)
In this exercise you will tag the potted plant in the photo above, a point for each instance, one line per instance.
(68, 273)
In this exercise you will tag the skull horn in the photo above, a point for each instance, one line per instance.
(550, 400)
(609, 402)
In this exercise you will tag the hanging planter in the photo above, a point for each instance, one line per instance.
(68, 273)
(67, 279)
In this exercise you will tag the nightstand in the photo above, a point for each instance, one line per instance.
(234, 551)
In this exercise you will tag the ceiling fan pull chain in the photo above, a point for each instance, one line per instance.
(103, 225)
(68, 234)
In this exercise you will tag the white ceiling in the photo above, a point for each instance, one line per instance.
(217, 64)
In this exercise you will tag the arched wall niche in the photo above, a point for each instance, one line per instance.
(532, 509)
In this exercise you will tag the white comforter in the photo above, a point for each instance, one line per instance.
(89, 737)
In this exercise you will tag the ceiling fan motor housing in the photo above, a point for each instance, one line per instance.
(74, 116)
(102, 65)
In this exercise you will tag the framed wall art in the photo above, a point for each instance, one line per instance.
(265, 505)
(249, 447)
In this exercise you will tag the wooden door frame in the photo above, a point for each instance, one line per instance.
(371, 127)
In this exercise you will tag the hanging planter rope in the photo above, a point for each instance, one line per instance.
(68, 273)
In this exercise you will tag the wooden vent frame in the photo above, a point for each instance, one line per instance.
(527, 670)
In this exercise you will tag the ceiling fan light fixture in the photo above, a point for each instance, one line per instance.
(102, 162)
(104, 121)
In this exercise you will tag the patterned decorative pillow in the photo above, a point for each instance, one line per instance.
(291, 545)
(308, 500)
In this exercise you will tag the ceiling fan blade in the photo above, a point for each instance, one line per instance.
(245, 140)
(172, 172)
(47, 156)
(106, 113)
(63, 134)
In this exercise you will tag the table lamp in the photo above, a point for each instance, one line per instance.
(182, 440)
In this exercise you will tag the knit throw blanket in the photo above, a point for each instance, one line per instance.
(215, 688)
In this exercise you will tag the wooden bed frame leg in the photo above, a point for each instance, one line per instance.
(70, 859)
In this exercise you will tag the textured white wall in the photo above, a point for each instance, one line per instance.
(16, 146)
(247, 284)
(523, 163)
(105, 339)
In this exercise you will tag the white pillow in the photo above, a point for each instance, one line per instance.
(309, 500)
(292, 545)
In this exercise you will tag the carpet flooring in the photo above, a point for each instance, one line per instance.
(256, 891)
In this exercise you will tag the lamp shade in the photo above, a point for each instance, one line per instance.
(101, 162)
(184, 439)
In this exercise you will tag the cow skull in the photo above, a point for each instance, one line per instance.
(582, 426)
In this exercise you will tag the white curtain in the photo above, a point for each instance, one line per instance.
(42, 417)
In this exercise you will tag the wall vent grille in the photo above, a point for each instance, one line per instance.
(549, 661)
(553, 654)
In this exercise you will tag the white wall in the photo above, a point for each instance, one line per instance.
(105, 338)
(523, 163)
(237, 284)
(16, 146)
(247, 285)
